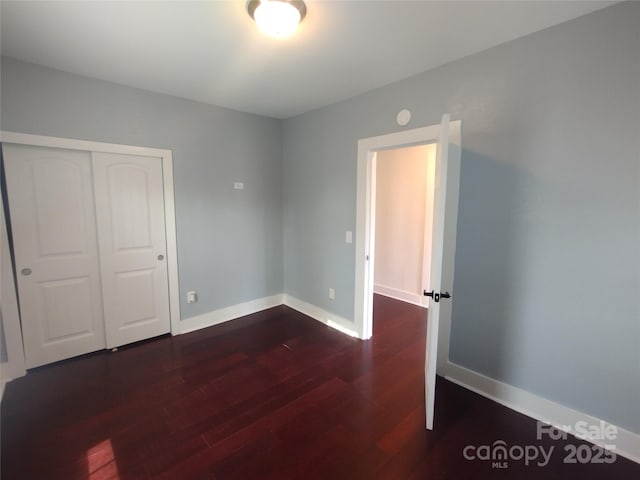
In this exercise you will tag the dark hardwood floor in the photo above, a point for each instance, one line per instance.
(274, 395)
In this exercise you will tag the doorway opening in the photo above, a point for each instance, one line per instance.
(403, 182)
(446, 178)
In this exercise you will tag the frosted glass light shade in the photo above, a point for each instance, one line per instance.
(278, 18)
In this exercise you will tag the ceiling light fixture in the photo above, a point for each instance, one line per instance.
(278, 18)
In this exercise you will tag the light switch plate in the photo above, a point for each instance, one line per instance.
(192, 297)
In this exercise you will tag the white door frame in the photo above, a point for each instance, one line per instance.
(365, 221)
(169, 205)
(15, 366)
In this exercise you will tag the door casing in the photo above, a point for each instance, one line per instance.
(365, 222)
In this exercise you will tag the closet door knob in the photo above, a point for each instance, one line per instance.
(25, 271)
(160, 257)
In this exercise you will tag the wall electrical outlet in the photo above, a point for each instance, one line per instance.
(348, 236)
(238, 186)
(332, 294)
(192, 297)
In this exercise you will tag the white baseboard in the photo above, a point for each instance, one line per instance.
(334, 321)
(401, 295)
(232, 312)
(627, 443)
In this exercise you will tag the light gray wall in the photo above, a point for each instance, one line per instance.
(229, 241)
(547, 286)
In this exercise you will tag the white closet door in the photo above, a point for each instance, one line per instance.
(53, 222)
(132, 246)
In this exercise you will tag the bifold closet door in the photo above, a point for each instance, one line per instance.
(129, 201)
(51, 203)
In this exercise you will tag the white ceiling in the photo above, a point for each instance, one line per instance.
(213, 53)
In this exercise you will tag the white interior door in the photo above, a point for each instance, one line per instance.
(50, 194)
(445, 213)
(131, 226)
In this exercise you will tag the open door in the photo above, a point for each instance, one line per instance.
(445, 214)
